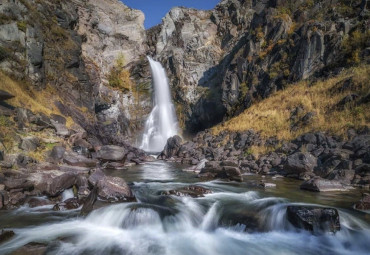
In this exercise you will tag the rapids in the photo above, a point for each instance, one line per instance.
(237, 218)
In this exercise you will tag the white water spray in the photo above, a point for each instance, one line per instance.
(162, 121)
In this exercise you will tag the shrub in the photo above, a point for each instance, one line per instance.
(22, 25)
(353, 44)
(119, 77)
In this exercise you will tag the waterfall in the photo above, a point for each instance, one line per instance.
(162, 121)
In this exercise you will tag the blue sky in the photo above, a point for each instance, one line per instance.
(155, 10)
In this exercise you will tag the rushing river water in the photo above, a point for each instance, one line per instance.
(237, 218)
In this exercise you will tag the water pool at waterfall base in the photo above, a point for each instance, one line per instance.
(235, 218)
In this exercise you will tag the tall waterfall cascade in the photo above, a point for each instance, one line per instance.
(162, 122)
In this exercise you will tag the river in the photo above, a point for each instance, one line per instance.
(237, 218)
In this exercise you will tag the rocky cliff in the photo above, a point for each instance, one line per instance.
(222, 61)
(81, 51)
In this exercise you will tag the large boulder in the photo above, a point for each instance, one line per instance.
(172, 147)
(56, 154)
(114, 189)
(314, 219)
(75, 159)
(111, 153)
(319, 184)
(54, 182)
(364, 203)
(300, 162)
(29, 144)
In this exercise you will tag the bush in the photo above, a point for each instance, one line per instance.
(353, 44)
(22, 25)
(119, 77)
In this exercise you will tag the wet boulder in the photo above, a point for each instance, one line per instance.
(319, 184)
(172, 147)
(300, 162)
(232, 173)
(31, 249)
(114, 189)
(54, 182)
(189, 191)
(37, 201)
(69, 204)
(364, 203)
(111, 153)
(314, 219)
(90, 201)
(5, 235)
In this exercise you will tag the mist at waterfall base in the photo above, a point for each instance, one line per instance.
(162, 121)
(236, 219)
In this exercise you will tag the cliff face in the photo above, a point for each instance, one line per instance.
(92, 55)
(221, 61)
(79, 49)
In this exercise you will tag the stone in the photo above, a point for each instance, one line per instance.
(114, 189)
(95, 177)
(37, 201)
(60, 128)
(53, 182)
(90, 201)
(57, 153)
(267, 185)
(172, 147)
(69, 204)
(5, 235)
(300, 162)
(4, 95)
(111, 153)
(189, 191)
(232, 173)
(232, 163)
(364, 203)
(74, 159)
(29, 143)
(31, 249)
(314, 219)
(319, 184)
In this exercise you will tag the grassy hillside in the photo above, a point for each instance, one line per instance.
(274, 116)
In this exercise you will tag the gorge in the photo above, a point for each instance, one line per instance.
(258, 142)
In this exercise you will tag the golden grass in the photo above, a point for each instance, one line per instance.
(26, 97)
(271, 116)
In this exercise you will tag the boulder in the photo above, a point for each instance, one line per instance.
(314, 219)
(172, 147)
(60, 128)
(5, 95)
(54, 182)
(75, 159)
(29, 144)
(114, 189)
(364, 203)
(300, 162)
(189, 191)
(90, 201)
(37, 201)
(111, 153)
(95, 177)
(69, 204)
(31, 249)
(56, 154)
(232, 173)
(5, 235)
(319, 184)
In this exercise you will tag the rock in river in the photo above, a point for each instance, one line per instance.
(314, 219)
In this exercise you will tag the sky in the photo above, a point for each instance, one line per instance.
(155, 10)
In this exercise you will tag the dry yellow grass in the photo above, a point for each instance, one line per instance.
(271, 116)
(26, 97)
